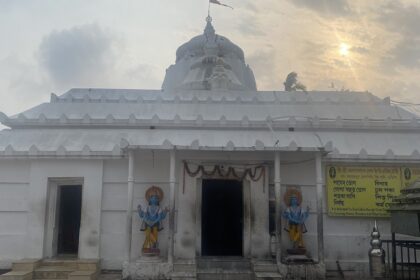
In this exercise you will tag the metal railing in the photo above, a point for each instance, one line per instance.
(402, 258)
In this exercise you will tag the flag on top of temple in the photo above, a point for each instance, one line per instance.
(221, 4)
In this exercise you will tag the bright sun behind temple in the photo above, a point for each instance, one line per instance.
(344, 49)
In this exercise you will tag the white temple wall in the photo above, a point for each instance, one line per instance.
(151, 168)
(14, 184)
(346, 239)
(114, 205)
(41, 172)
(23, 196)
(23, 202)
(301, 175)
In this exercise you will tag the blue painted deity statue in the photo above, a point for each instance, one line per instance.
(296, 217)
(152, 217)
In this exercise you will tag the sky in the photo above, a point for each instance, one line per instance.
(51, 46)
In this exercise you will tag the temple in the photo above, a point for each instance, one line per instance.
(193, 181)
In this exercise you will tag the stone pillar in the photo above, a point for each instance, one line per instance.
(277, 189)
(172, 183)
(319, 203)
(129, 214)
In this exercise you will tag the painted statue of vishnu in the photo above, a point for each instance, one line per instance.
(296, 218)
(152, 217)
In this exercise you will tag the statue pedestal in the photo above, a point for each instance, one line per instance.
(297, 259)
(151, 252)
(147, 268)
(297, 251)
(297, 256)
(301, 267)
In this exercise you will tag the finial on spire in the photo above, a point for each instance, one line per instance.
(209, 30)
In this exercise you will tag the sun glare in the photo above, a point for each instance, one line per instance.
(344, 49)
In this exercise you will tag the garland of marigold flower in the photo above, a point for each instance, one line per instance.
(231, 172)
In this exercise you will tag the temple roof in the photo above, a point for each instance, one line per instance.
(330, 109)
(43, 142)
(102, 122)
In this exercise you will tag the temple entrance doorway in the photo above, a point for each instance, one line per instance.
(69, 215)
(222, 218)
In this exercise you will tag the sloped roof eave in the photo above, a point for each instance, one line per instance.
(387, 146)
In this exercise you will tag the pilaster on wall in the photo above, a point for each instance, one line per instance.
(186, 228)
(14, 184)
(91, 172)
(260, 236)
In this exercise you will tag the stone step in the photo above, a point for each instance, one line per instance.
(345, 274)
(220, 274)
(26, 265)
(222, 271)
(183, 276)
(75, 264)
(225, 263)
(52, 272)
(304, 271)
(89, 265)
(82, 275)
(110, 275)
(268, 276)
(17, 275)
(3, 271)
(57, 262)
(265, 267)
(184, 266)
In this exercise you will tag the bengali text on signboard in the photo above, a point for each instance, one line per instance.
(361, 191)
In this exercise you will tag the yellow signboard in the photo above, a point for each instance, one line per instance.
(409, 175)
(361, 191)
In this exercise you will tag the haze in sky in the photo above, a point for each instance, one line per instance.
(54, 45)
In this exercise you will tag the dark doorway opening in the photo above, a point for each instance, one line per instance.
(222, 218)
(70, 210)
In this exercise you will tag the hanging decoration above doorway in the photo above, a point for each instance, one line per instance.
(255, 173)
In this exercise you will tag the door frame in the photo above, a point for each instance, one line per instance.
(246, 234)
(52, 213)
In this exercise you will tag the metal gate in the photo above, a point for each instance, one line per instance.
(402, 258)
